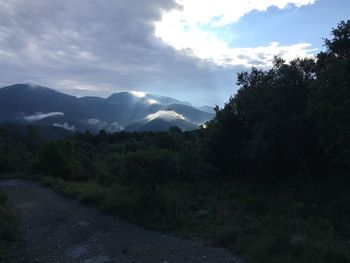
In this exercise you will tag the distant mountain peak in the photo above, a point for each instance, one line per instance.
(24, 87)
(135, 110)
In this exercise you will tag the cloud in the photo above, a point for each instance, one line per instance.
(39, 116)
(65, 126)
(96, 49)
(165, 115)
(152, 101)
(183, 30)
(223, 12)
(139, 94)
(99, 125)
(109, 46)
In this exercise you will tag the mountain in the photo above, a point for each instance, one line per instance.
(32, 104)
(46, 133)
(160, 125)
(192, 114)
(19, 99)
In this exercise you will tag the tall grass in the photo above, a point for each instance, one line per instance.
(9, 227)
(8, 220)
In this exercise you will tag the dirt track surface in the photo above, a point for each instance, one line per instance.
(57, 229)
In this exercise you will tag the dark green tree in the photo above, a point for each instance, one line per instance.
(330, 98)
(264, 128)
(150, 168)
(58, 159)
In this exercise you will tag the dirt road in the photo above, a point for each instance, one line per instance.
(57, 229)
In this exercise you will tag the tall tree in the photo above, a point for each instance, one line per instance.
(330, 97)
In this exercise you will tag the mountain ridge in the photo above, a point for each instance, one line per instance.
(26, 103)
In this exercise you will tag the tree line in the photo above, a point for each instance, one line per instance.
(290, 122)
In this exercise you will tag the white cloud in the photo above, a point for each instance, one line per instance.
(39, 116)
(65, 126)
(182, 30)
(139, 94)
(100, 124)
(223, 12)
(94, 121)
(152, 101)
(165, 115)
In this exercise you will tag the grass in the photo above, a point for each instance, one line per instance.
(277, 238)
(158, 210)
(9, 226)
(8, 221)
(85, 192)
(259, 226)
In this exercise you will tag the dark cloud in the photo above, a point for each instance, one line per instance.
(96, 47)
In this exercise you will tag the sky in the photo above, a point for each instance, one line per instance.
(187, 49)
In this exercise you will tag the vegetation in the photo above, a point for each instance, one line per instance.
(267, 177)
(8, 226)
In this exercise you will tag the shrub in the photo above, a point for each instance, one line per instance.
(254, 204)
(5, 165)
(159, 209)
(150, 167)
(279, 239)
(57, 159)
(88, 193)
(3, 198)
(53, 182)
(8, 221)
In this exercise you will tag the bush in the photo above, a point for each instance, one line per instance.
(55, 183)
(8, 221)
(87, 193)
(255, 204)
(57, 159)
(278, 239)
(150, 167)
(3, 198)
(160, 209)
(8, 225)
(5, 165)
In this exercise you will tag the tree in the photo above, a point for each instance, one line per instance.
(264, 128)
(330, 98)
(149, 167)
(58, 159)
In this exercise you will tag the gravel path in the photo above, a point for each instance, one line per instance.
(57, 229)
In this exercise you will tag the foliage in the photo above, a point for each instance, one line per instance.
(16, 150)
(290, 121)
(8, 221)
(330, 98)
(159, 210)
(264, 128)
(150, 167)
(57, 159)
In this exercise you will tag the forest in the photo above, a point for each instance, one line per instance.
(267, 177)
